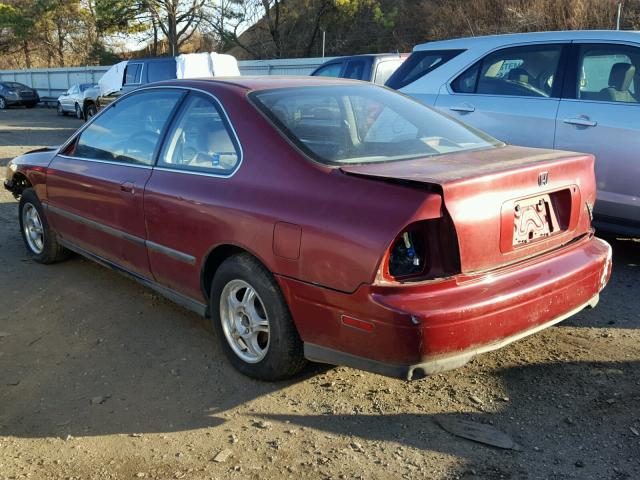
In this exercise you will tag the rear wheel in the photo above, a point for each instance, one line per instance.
(40, 240)
(78, 112)
(253, 322)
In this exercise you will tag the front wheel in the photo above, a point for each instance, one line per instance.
(3, 103)
(60, 110)
(41, 242)
(253, 322)
(90, 111)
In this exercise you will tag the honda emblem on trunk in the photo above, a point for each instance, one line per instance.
(543, 178)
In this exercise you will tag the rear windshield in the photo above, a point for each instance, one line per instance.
(355, 124)
(418, 65)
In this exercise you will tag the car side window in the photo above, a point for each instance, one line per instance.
(129, 130)
(201, 139)
(331, 70)
(528, 71)
(133, 73)
(356, 69)
(158, 71)
(608, 73)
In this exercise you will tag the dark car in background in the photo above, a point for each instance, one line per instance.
(14, 93)
(376, 68)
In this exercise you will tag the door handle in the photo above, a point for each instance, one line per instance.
(128, 187)
(580, 122)
(464, 108)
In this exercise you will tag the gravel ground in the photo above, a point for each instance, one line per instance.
(102, 379)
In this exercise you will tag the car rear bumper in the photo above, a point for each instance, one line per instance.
(415, 330)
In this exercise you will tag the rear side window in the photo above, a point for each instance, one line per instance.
(418, 65)
(529, 71)
(158, 71)
(608, 73)
(331, 70)
(201, 140)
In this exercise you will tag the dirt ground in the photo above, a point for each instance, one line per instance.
(102, 379)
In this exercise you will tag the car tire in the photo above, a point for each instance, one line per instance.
(31, 105)
(40, 240)
(60, 110)
(244, 295)
(90, 111)
(79, 114)
(3, 103)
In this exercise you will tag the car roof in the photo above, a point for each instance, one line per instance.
(147, 60)
(491, 41)
(264, 82)
(367, 55)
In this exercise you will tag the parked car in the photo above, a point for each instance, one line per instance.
(81, 99)
(575, 90)
(331, 220)
(376, 68)
(14, 93)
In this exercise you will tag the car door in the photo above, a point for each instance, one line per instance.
(600, 116)
(512, 93)
(67, 100)
(190, 182)
(95, 185)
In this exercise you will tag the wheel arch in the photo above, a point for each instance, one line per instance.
(19, 182)
(214, 259)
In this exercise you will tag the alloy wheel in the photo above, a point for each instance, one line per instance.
(244, 321)
(33, 229)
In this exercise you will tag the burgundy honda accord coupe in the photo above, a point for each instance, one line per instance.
(321, 219)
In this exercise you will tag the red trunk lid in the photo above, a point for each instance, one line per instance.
(506, 203)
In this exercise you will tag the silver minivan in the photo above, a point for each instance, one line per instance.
(574, 90)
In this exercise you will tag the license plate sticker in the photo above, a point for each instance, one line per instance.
(533, 218)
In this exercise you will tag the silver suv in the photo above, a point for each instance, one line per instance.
(575, 90)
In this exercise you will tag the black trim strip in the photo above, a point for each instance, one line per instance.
(187, 302)
(98, 226)
(156, 247)
(170, 252)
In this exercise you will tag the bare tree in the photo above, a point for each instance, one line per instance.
(178, 20)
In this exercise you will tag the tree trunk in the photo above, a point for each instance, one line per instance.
(27, 54)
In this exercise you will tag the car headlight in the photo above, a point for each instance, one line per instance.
(12, 94)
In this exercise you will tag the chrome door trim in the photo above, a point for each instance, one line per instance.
(109, 162)
(169, 252)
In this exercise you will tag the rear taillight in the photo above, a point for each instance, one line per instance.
(407, 257)
(423, 250)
